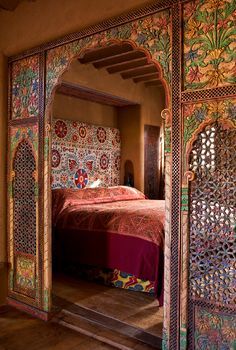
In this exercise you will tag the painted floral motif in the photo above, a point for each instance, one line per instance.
(214, 331)
(100, 160)
(82, 132)
(104, 161)
(81, 178)
(151, 33)
(209, 43)
(117, 162)
(30, 133)
(60, 129)
(197, 114)
(117, 138)
(25, 273)
(101, 135)
(75, 138)
(56, 158)
(25, 88)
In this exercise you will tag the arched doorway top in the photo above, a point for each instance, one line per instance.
(198, 115)
(151, 34)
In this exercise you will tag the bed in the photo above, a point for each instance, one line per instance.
(114, 227)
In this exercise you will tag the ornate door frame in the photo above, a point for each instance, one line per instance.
(33, 77)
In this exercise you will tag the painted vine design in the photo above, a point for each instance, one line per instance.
(196, 114)
(18, 134)
(209, 43)
(28, 132)
(25, 88)
(152, 33)
(214, 331)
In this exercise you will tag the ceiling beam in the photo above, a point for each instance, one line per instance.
(120, 58)
(154, 82)
(145, 77)
(121, 67)
(85, 93)
(135, 72)
(95, 55)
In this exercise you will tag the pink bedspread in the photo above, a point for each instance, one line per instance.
(112, 227)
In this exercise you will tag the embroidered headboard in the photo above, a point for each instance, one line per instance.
(84, 155)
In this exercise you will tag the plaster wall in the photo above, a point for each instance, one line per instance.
(37, 22)
(71, 108)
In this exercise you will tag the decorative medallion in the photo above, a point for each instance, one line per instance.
(55, 158)
(104, 161)
(81, 178)
(60, 129)
(82, 132)
(101, 135)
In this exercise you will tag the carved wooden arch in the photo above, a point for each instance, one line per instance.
(186, 89)
(48, 62)
(83, 51)
(68, 52)
(225, 123)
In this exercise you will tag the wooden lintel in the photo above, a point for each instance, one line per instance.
(85, 93)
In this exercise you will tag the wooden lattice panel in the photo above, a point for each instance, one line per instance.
(24, 209)
(212, 213)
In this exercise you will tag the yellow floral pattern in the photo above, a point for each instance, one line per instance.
(209, 43)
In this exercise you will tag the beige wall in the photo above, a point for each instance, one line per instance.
(66, 107)
(131, 120)
(32, 24)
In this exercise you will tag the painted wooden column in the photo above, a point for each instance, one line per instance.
(166, 116)
(25, 185)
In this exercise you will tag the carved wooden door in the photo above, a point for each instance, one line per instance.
(151, 160)
(25, 186)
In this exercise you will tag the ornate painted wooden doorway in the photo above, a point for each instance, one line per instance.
(172, 32)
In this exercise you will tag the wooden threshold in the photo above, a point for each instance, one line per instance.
(133, 315)
(106, 329)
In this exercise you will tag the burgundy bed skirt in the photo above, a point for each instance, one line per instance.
(132, 255)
